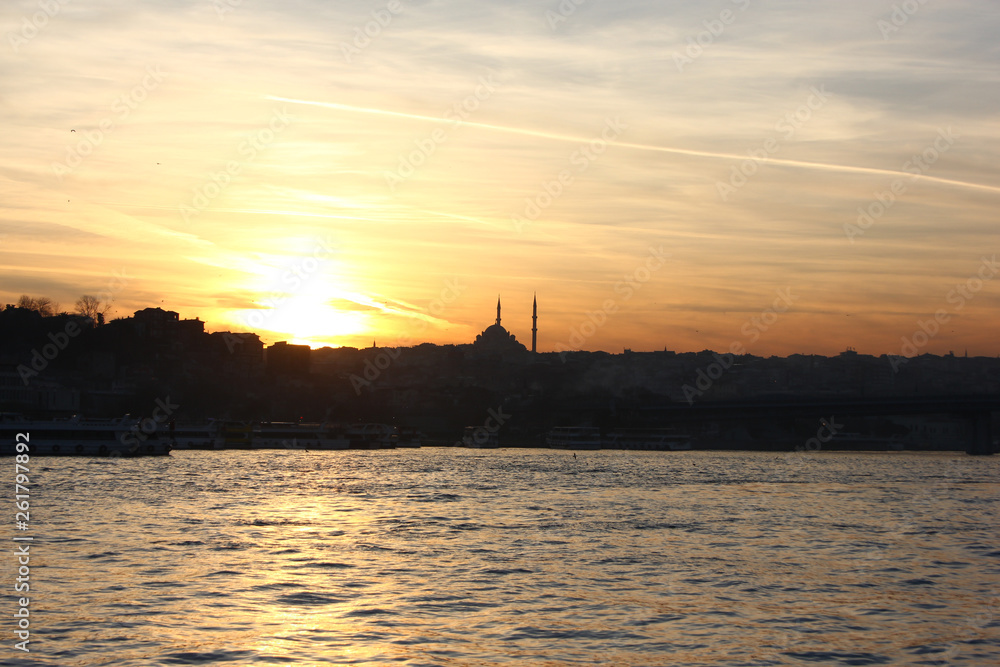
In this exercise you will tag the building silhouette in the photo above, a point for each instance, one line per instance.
(288, 359)
(534, 323)
(495, 339)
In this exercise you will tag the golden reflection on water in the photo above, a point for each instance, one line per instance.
(453, 557)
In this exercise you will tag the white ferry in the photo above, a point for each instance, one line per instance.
(574, 437)
(370, 436)
(297, 435)
(77, 436)
(659, 439)
(234, 435)
(202, 435)
(477, 437)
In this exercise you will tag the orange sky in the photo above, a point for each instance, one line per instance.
(656, 174)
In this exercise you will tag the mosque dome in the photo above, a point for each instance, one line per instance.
(495, 338)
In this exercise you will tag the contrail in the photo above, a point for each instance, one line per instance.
(260, 211)
(801, 164)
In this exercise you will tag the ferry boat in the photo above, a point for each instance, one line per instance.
(370, 436)
(864, 442)
(658, 439)
(77, 436)
(405, 436)
(234, 435)
(574, 437)
(203, 435)
(297, 435)
(478, 437)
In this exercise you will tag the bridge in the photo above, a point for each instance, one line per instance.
(976, 410)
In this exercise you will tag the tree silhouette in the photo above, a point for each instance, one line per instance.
(43, 305)
(91, 306)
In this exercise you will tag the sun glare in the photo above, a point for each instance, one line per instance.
(305, 320)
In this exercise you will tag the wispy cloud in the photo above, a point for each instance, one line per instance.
(654, 184)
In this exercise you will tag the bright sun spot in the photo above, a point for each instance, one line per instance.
(305, 314)
(306, 319)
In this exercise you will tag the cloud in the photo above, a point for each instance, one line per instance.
(352, 122)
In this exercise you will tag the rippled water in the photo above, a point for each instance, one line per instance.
(484, 557)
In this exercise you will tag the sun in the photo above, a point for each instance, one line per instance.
(304, 320)
(301, 300)
(308, 318)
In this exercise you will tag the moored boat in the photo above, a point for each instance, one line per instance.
(863, 442)
(659, 439)
(405, 436)
(574, 437)
(478, 437)
(78, 436)
(234, 435)
(195, 435)
(370, 436)
(297, 435)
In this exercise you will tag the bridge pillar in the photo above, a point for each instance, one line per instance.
(981, 438)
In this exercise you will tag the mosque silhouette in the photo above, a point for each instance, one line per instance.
(497, 340)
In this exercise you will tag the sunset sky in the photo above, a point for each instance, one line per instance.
(266, 165)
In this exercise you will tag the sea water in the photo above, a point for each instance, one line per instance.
(442, 556)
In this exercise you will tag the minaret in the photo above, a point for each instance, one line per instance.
(534, 322)
(498, 310)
